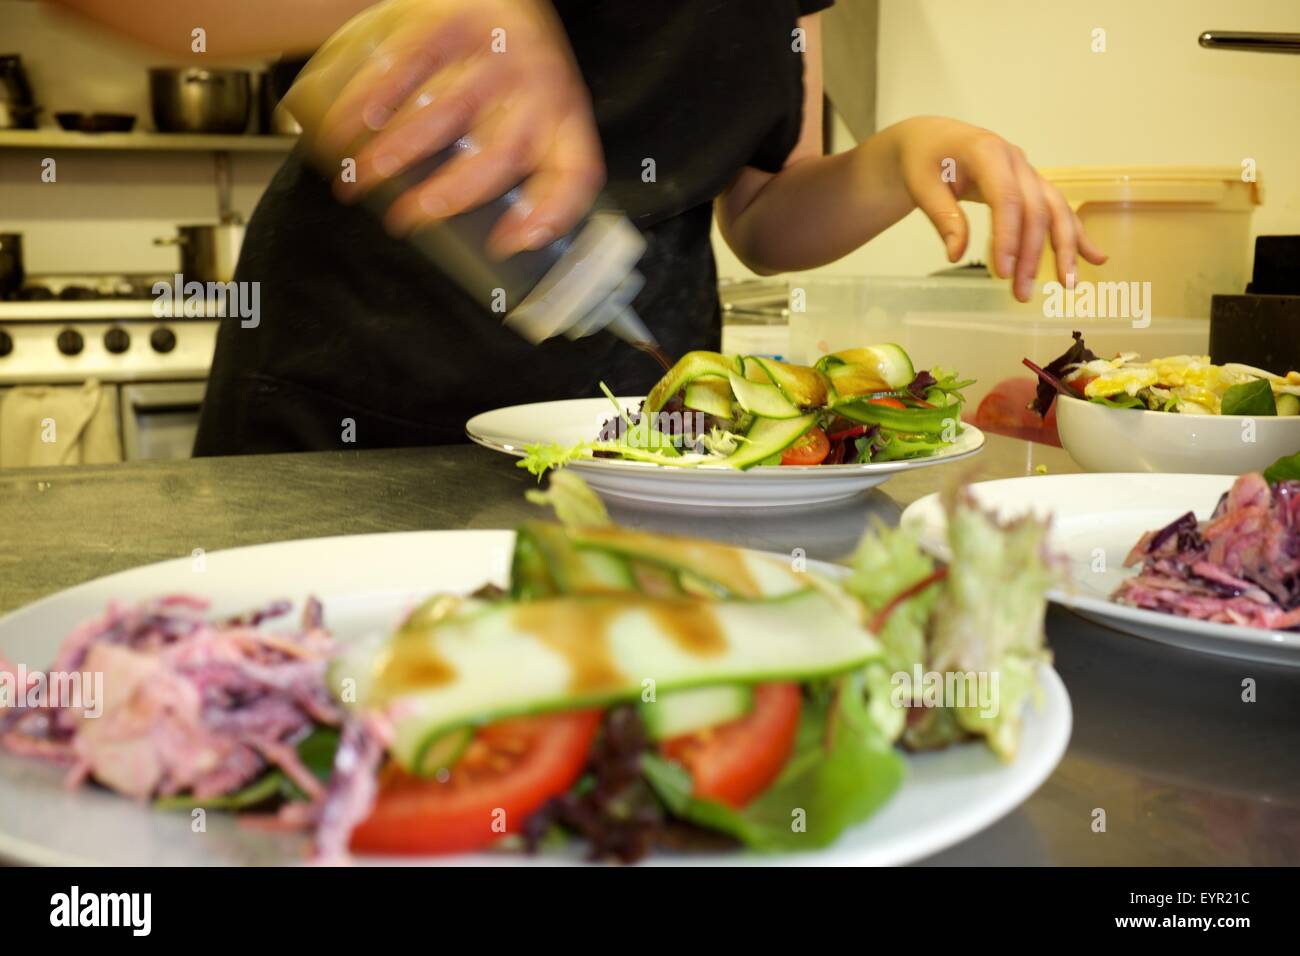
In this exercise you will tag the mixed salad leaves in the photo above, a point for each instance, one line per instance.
(1187, 384)
(628, 690)
(857, 406)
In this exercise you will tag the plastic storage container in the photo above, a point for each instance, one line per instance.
(1184, 229)
(972, 325)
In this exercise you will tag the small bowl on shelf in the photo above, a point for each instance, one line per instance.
(76, 122)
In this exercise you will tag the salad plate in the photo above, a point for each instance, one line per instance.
(1097, 520)
(566, 423)
(364, 584)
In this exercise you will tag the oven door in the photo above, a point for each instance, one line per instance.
(160, 419)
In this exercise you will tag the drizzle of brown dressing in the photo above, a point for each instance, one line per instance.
(656, 353)
(576, 630)
(410, 663)
(692, 625)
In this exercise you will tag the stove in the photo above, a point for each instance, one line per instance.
(68, 328)
(86, 288)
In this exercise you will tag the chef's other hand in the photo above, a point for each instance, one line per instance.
(944, 160)
(498, 71)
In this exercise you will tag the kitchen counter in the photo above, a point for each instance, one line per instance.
(1186, 772)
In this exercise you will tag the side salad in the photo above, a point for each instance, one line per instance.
(857, 406)
(1242, 566)
(629, 691)
(1186, 384)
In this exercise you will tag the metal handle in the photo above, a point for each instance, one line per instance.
(1257, 42)
(170, 241)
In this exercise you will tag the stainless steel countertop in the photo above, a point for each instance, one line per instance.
(1186, 772)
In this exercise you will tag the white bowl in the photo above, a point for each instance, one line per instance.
(1100, 438)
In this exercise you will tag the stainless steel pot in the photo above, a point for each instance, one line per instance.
(191, 100)
(208, 252)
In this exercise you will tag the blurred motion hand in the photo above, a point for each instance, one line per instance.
(943, 160)
(497, 71)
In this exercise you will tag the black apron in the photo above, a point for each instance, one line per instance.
(362, 343)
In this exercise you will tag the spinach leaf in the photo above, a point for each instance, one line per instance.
(1249, 398)
(316, 751)
(1286, 468)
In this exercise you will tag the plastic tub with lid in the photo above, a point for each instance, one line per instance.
(1184, 229)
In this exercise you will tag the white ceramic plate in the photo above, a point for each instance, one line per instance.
(577, 420)
(365, 582)
(1096, 520)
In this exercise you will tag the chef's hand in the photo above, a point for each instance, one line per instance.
(499, 71)
(944, 160)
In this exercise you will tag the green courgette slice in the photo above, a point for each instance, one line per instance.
(489, 662)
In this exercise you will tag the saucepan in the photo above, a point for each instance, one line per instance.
(192, 100)
(209, 251)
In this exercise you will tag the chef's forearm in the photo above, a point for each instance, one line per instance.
(231, 28)
(818, 209)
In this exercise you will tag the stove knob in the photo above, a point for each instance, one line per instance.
(70, 342)
(162, 339)
(6, 343)
(117, 340)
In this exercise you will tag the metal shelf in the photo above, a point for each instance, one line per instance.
(144, 141)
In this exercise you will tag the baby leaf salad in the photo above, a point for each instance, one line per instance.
(1188, 384)
(857, 406)
(626, 692)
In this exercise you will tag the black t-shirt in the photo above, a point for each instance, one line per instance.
(355, 325)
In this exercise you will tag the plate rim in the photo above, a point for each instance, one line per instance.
(720, 472)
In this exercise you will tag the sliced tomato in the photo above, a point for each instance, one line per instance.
(507, 773)
(811, 449)
(887, 400)
(735, 762)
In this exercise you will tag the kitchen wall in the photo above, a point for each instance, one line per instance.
(105, 208)
(1022, 67)
(1025, 69)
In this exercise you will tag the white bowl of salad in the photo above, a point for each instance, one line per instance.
(1180, 414)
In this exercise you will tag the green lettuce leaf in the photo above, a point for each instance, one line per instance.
(842, 770)
(988, 618)
(542, 457)
(575, 504)
(887, 563)
(891, 446)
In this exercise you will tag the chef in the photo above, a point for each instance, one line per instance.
(680, 111)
